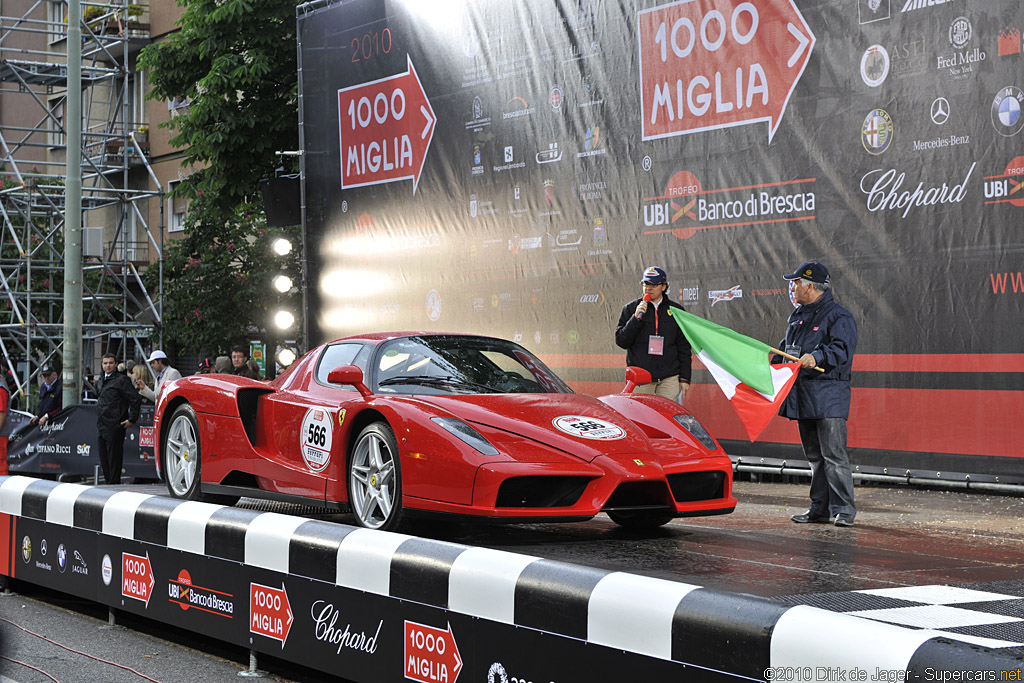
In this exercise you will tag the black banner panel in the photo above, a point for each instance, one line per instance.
(68, 444)
(510, 168)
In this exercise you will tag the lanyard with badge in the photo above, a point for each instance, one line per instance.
(655, 343)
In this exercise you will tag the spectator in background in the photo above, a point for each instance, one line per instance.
(88, 383)
(51, 395)
(164, 373)
(140, 378)
(222, 364)
(240, 364)
(11, 384)
(116, 409)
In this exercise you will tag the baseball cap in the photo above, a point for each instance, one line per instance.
(654, 275)
(812, 271)
(157, 355)
(47, 370)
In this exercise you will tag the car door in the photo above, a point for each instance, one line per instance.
(306, 443)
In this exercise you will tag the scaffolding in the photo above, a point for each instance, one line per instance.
(118, 311)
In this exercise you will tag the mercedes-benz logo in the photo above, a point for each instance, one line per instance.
(940, 111)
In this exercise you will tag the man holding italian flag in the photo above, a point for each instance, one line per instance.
(821, 338)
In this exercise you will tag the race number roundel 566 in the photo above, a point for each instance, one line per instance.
(588, 427)
(316, 437)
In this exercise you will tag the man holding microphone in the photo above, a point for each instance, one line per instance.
(653, 341)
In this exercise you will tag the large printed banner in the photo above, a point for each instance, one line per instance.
(509, 168)
(67, 445)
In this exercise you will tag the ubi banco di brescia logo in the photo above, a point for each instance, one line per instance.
(1008, 186)
(684, 209)
(883, 188)
(186, 594)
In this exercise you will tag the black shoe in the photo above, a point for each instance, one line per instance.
(810, 518)
(844, 520)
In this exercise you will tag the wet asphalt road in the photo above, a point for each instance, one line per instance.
(902, 537)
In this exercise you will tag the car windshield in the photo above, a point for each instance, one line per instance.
(442, 364)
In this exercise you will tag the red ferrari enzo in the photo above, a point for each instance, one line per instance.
(384, 424)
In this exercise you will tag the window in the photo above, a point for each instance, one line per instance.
(55, 128)
(137, 100)
(341, 354)
(57, 16)
(178, 105)
(176, 209)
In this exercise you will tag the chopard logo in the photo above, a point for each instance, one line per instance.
(883, 190)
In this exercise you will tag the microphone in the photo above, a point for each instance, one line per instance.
(647, 298)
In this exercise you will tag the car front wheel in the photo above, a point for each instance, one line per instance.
(375, 478)
(180, 453)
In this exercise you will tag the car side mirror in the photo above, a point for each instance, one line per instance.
(635, 376)
(350, 375)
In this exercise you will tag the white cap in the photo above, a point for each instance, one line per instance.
(157, 355)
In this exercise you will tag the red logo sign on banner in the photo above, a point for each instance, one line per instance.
(137, 580)
(708, 64)
(431, 654)
(270, 614)
(386, 127)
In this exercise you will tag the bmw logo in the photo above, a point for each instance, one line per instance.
(62, 558)
(1006, 111)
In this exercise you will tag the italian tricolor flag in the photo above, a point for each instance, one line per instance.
(740, 365)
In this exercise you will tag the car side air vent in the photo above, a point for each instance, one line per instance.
(248, 402)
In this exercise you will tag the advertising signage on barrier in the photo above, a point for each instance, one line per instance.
(351, 633)
(556, 150)
(67, 444)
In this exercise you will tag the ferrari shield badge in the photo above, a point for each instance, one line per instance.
(316, 436)
(588, 428)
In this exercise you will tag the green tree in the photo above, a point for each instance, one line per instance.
(235, 62)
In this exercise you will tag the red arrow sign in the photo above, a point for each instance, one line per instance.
(386, 127)
(137, 581)
(270, 613)
(431, 654)
(707, 64)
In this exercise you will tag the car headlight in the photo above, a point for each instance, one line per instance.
(466, 434)
(692, 425)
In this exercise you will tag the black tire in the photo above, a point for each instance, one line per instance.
(640, 519)
(375, 478)
(181, 458)
(179, 454)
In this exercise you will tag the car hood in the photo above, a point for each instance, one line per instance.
(579, 425)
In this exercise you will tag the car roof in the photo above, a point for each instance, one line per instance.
(378, 337)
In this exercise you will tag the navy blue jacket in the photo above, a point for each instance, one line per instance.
(51, 400)
(826, 330)
(633, 334)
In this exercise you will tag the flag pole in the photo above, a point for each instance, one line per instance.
(786, 355)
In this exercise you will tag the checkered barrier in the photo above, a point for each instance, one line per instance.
(378, 606)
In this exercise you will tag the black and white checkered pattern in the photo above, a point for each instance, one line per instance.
(987, 614)
(654, 617)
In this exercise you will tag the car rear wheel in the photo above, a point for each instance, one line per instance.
(640, 519)
(180, 451)
(375, 478)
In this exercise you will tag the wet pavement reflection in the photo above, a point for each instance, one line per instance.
(902, 537)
